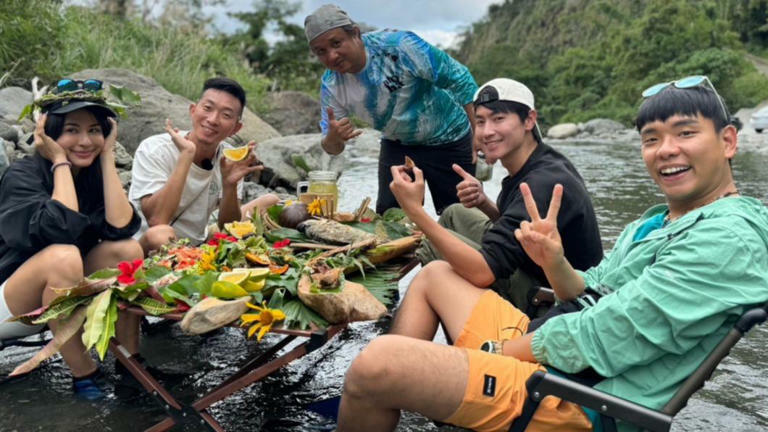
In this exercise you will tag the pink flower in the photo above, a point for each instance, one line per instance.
(128, 271)
(281, 243)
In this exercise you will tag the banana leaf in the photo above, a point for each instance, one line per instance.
(287, 233)
(100, 320)
(382, 283)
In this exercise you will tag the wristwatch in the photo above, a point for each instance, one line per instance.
(492, 346)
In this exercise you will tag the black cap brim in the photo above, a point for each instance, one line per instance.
(74, 105)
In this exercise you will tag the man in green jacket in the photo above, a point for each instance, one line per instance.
(676, 281)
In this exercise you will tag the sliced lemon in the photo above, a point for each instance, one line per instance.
(236, 154)
(227, 290)
(236, 276)
(257, 278)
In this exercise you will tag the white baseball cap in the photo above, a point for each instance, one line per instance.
(509, 90)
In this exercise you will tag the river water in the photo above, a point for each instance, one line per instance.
(734, 400)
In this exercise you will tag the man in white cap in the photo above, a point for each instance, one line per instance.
(415, 94)
(475, 237)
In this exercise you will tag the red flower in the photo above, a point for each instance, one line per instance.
(281, 243)
(128, 271)
(365, 220)
(217, 237)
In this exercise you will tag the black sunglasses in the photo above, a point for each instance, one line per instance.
(69, 84)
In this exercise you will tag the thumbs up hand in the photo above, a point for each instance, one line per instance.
(340, 130)
(469, 190)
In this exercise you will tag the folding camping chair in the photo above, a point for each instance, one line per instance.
(610, 408)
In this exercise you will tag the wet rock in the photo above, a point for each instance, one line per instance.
(288, 159)
(602, 126)
(212, 313)
(10, 151)
(12, 102)
(8, 132)
(157, 104)
(563, 130)
(4, 160)
(125, 179)
(353, 303)
(26, 144)
(122, 158)
(293, 112)
(367, 144)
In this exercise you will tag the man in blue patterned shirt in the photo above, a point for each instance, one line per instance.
(415, 94)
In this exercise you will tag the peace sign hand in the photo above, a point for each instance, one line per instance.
(539, 237)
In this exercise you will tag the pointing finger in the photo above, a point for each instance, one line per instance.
(530, 204)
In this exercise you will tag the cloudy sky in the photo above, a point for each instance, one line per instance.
(437, 21)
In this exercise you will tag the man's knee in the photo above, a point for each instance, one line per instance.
(449, 215)
(63, 256)
(156, 237)
(370, 372)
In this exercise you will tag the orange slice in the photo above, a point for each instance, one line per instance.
(236, 154)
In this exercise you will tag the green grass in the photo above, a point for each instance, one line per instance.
(42, 39)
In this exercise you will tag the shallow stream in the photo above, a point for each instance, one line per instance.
(615, 176)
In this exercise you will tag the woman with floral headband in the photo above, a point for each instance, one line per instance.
(63, 215)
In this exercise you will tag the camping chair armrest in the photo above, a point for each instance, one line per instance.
(544, 297)
(542, 384)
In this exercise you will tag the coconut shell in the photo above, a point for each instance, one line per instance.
(353, 303)
(293, 215)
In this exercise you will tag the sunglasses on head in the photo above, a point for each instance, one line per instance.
(68, 84)
(686, 83)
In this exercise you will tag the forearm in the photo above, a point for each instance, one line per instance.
(332, 146)
(564, 280)
(118, 210)
(489, 208)
(465, 260)
(519, 348)
(229, 207)
(64, 185)
(159, 207)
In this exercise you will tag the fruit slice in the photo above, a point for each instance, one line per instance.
(236, 154)
(256, 279)
(227, 290)
(275, 269)
(261, 259)
(240, 229)
(236, 276)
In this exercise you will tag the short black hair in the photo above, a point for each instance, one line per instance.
(507, 107)
(54, 123)
(686, 102)
(226, 85)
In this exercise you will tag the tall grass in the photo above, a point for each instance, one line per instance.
(60, 41)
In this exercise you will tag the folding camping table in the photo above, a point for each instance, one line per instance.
(255, 368)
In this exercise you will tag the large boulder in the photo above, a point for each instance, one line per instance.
(293, 112)
(367, 144)
(12, 102)
(563, 130)
(157, 104)
(4, 160)
(288, 159)
(8, 132)
(601, 126)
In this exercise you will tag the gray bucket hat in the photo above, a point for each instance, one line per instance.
(326, 17)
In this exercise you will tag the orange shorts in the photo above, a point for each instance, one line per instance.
(495, 391)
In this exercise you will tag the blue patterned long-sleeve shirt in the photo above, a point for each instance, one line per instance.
(409, 90)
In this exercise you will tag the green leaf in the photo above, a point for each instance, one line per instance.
(299, 162)
(99, 321)
(393, 214)
(171, 295)
(382, 283)
(289, 281)
(59, 309)
(274, 212)
(104, 274)
(277, 299)
(124, 95)
(286, 233)
(155, 272)
(154, 307)
(298, 315)
(26, 112)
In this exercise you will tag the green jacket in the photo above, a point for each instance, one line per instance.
(671, 297)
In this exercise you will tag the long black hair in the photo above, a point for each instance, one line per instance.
(54, 124)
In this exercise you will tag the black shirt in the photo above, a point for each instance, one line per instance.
(30, 220)
(576, 220)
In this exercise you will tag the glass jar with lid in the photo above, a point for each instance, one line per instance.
(323, 185)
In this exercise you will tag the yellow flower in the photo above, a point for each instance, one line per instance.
(288, 203)
(264, 319)
(206, 262)
(315, 208)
